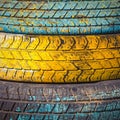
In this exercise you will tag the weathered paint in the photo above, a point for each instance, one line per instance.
(59, 59)
(82, 17)
(32, 98)
(111, 115)
(69, 108)
(18, 109)
(61, 30)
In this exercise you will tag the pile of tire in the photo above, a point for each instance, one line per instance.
(60, 60)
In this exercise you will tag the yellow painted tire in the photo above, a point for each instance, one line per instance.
(59, 59)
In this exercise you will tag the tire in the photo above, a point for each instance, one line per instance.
(59, 59)
(60, 17)
(93, 101)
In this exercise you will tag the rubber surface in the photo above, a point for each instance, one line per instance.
(59, 59)
(93, 101)
(60, 17)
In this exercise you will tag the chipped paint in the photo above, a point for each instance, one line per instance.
(32, 98)
(18, 109)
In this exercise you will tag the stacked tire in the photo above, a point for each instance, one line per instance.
(60, 60)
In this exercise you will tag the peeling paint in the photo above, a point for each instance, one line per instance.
(32, 98)
(18, 109)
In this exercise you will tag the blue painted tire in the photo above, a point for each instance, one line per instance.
(60, 17)
(91, 101)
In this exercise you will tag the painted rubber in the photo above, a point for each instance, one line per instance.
(60, 17)
(93, 101)
(59, 59)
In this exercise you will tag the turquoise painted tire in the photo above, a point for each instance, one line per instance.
(60, 17)
(91, 101)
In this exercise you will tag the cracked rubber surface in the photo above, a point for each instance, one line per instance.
(91, 101)
(60, 17)
(59, 59)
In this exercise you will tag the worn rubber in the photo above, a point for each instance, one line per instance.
(60, 17)
(59, 59)
(93, 101)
